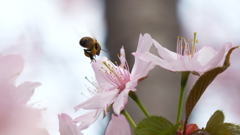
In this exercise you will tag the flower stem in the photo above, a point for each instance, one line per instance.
(139, 103)
(180, 102)
(128, 117)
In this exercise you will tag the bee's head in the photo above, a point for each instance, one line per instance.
(84, 41)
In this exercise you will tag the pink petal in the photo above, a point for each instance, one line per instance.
(205, 54)
(99, 101)
(66, 126)
(215, 62)
(118, 126)
(101, 76)
(25, 91)
(141, 68)
(185, 64)
(144, 43)
(11, 67)
(191, 64)
(121, 101)
(122, 57)
(87, 119)
(132, 84)
(164, 52)
(149, 57)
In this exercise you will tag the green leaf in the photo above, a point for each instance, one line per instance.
(203, 82)
(232, 128)
(215, 125)
(226, 129)
(155, 125)
(220, 130)
(215, 120)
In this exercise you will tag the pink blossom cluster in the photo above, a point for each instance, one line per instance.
(16, 117)
(116, 81)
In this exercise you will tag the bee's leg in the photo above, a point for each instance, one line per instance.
(98, 49)
(93, 51)
(88, 54)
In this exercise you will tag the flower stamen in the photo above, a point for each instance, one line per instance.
(117, 74)
(111, 70)
(184, 48)
(92, 91)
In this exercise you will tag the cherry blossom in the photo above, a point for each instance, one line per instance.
(114, 83)
(187, 56)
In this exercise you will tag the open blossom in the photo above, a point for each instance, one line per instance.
(16, 118)
(188, 57)
(115, 82)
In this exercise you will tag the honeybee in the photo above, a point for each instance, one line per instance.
(92, 46)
